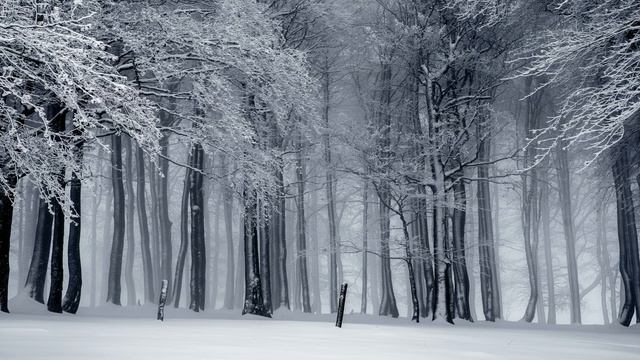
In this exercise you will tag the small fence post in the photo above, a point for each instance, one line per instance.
(341, 301)
(163, 300)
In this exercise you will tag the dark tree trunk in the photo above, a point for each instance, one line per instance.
(489, 286)
(129, 211)
(145, 249)
(6, 216)
(198, 253)
(71, 300)
(253, 300)
(459, 258)
(54, 303)
(155, 228)
(184, 237)
(41, 249)
(163, 213)
(117, 247)
(265, 266)
(627, 238)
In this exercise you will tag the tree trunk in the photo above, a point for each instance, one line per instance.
(117, 246)
(227, 198)
(145, 249)
(548, 254)
(198, 253)
(331, 206)
(41, 249)
(6, 217)
(71, 300)
(486, 245)
(459, 258)
(54, 303)
(253, 300)
(628, 239)
(130, 198)
(365, 247)
(302, 240)
(564, 190)
(184, 237)
(155, 227)
(388, 300)
(265, 257)
(163, 213)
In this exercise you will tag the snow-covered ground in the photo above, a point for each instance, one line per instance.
(133, 333)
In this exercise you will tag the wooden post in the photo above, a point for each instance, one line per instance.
(163, 300)
(341, 300)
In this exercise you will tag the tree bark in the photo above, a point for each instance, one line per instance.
(365, 246)
(302, 239)
(548, 255)
(71, 300)
(627, 238)
(227, 198)
(130, 208)
(6, 217)
(459, 257)
(198, 253)
(184, 236)
(145, 249)
(117, 246)
(253, 300)
(41, 249)
(564, 190)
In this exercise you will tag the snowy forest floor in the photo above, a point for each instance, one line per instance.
(133, 333)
